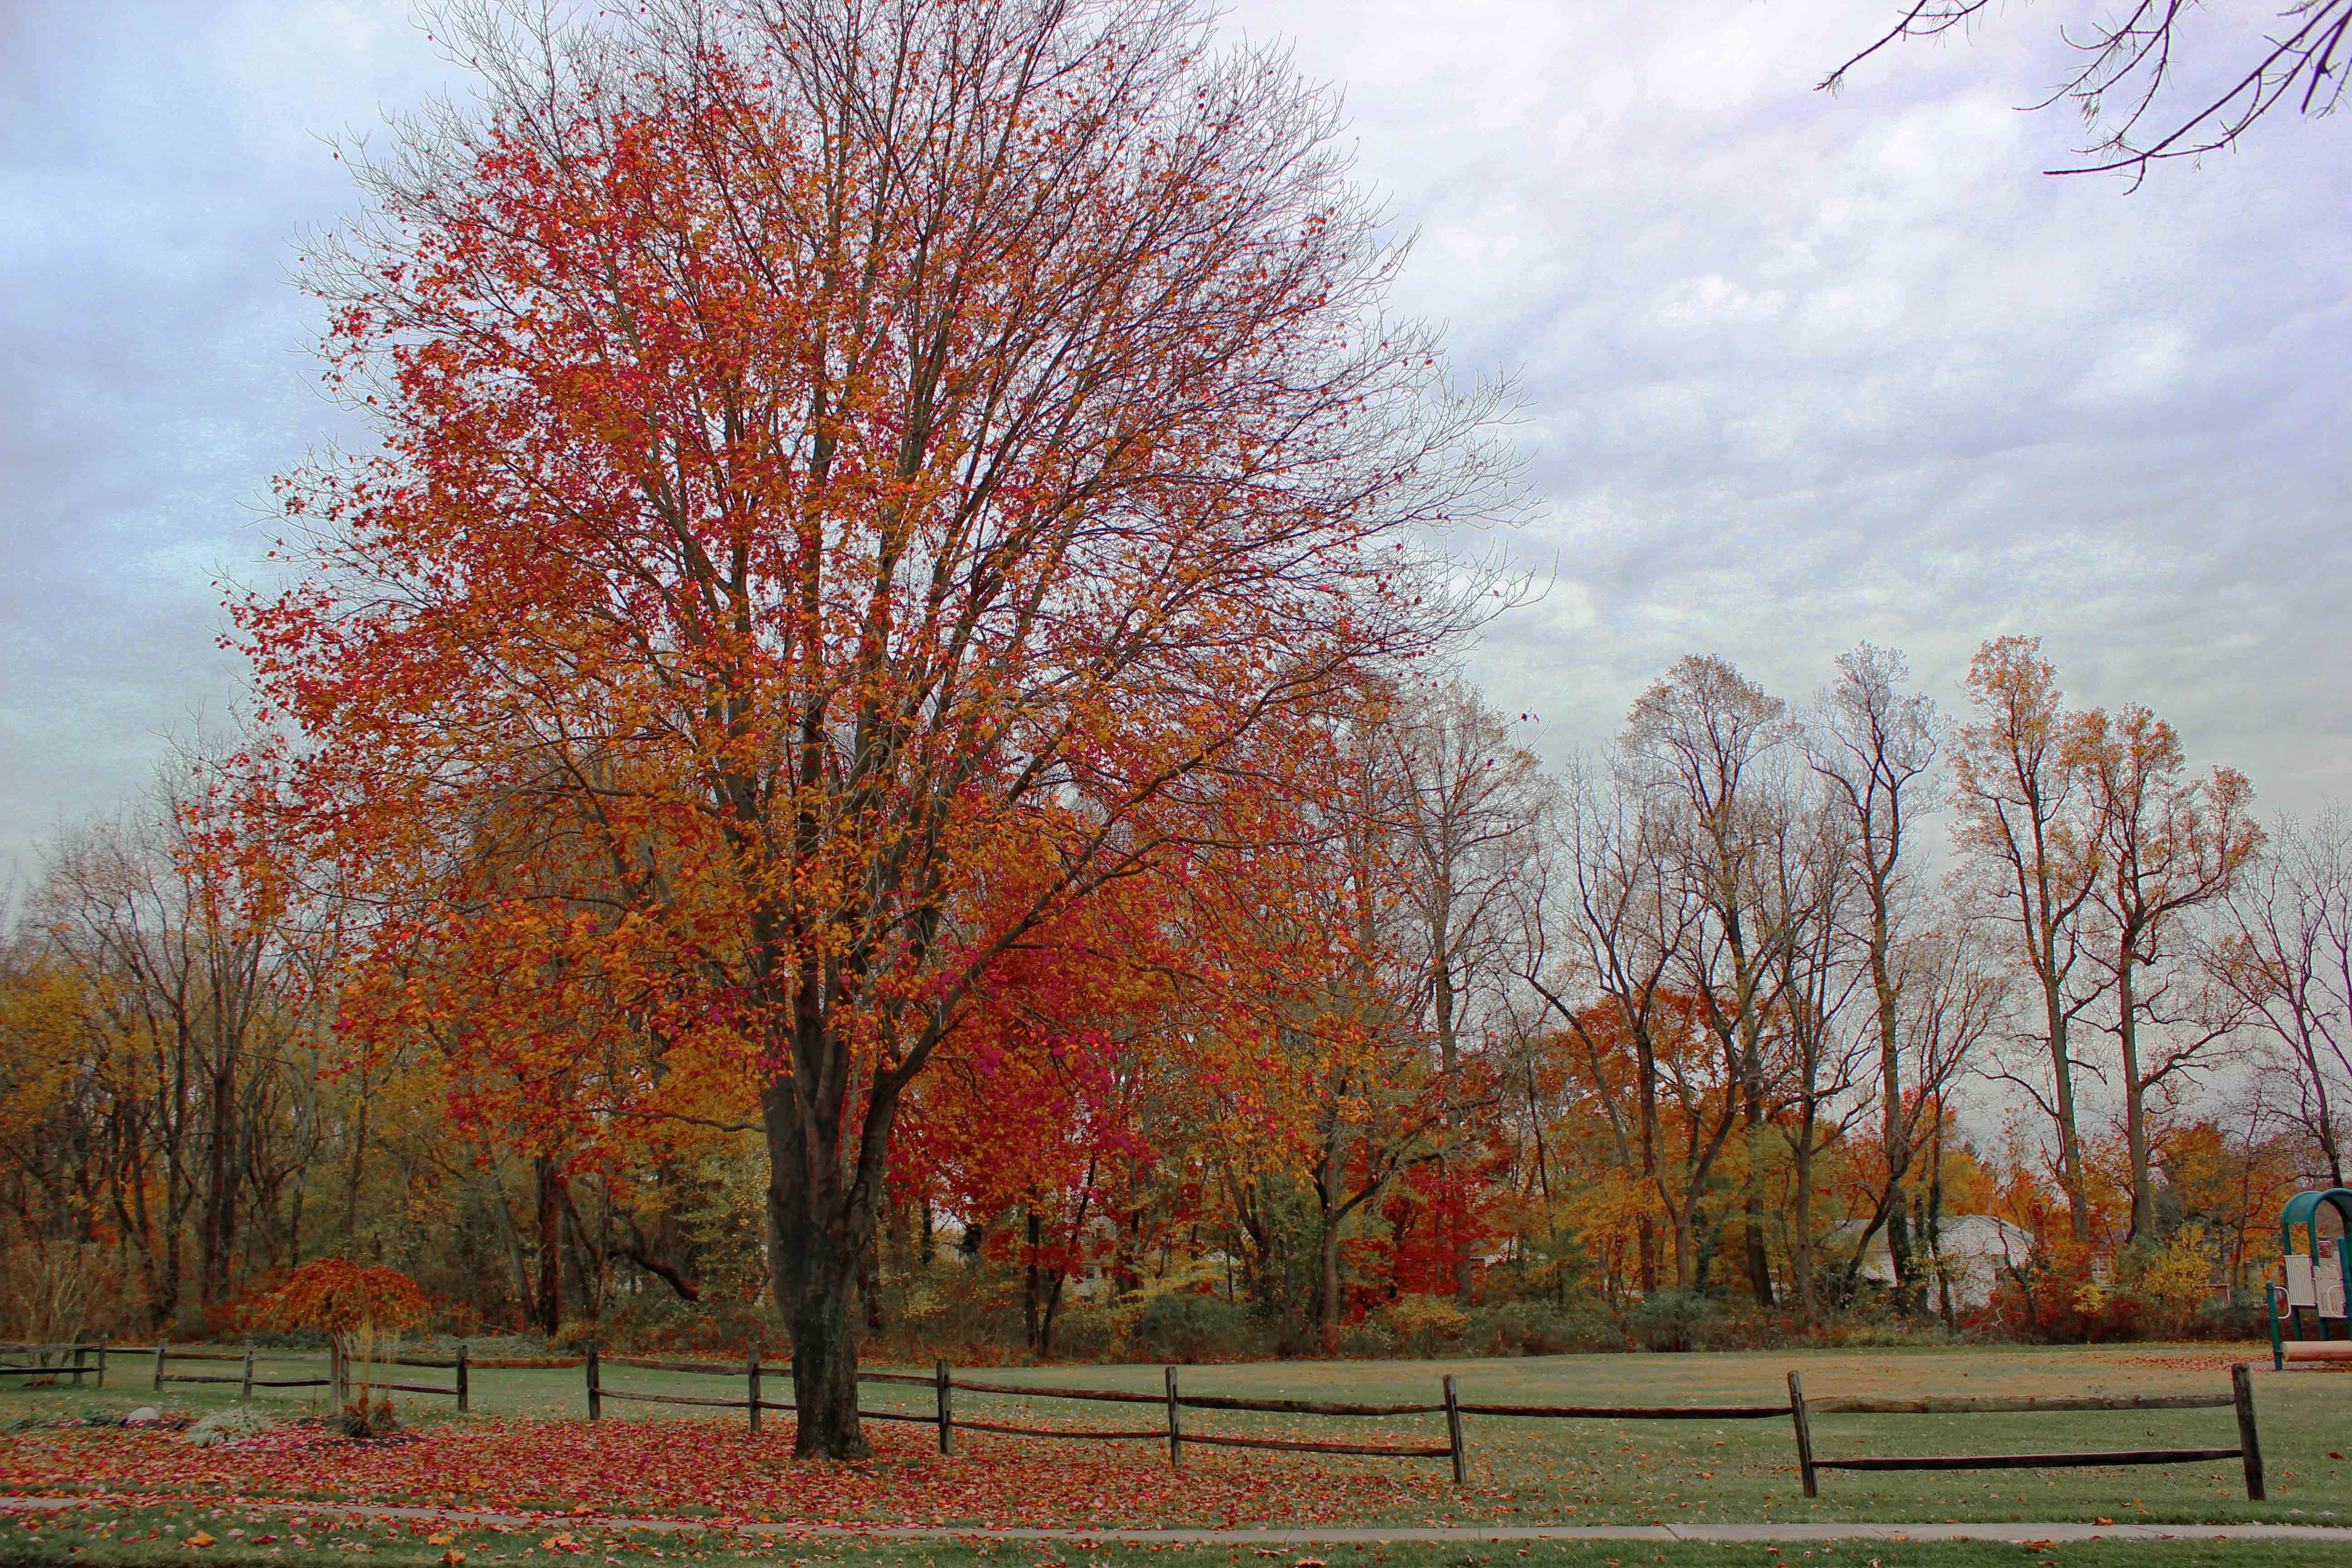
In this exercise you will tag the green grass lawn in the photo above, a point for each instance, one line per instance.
(1620, 1472)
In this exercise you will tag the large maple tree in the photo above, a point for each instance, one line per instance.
(849, 469)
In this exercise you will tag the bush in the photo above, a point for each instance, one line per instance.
(362, 1419)
(1539, 1328)
(574, 1335)
(1085, 1331)
(230, 1423)
(1674, 1320)
(1424, 1325)
(1177, 1327)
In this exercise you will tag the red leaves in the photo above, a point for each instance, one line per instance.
(339, 1296)
(692, 1469)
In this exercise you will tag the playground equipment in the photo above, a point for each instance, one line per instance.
(2318, 1280)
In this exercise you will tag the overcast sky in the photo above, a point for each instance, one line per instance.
(1799, 371)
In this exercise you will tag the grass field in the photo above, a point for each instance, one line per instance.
(1522, 1471)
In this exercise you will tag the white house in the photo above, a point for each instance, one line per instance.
(1970, 1249)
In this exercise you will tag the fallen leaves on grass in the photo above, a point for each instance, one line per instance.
(682, 1469)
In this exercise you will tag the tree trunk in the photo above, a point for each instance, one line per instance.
(547, 1308)
(1758, 1262)
(1648, 1073)
(220, 1197)
(359, 1163)
(1032, 1286)
(1895, 1134)
(1332, 1181)
(2070, 1142)
(2143, 1192)
(820, 1218)
(1808, 1306)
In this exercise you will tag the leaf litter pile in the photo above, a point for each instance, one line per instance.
(694, 1470)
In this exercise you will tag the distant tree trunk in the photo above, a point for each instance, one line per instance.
(1807, 1302)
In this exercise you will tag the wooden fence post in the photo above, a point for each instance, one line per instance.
(2242, 1394)
(595, 1400)
(947, 1409)
(465, 1391)
(102, 1361)
(752, 1378)
(1453, 1431)
(1175, 1429)
(245, 1391)
(1804, 1433)
(79, 1349)
(161, 1346)
(336, 1394)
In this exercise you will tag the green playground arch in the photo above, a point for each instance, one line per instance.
(2302, 1292)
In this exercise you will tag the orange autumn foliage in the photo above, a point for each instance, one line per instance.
(846, 493)
(333, 1295)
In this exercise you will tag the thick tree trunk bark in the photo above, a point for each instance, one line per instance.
(821, 1216)
(547, 1307)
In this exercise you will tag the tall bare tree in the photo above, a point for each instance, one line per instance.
(2027, 825)
(1710, 747)
(1469, 799)
(1875, 747)
(1606, 916)
(2170, 845)
(2286, 950)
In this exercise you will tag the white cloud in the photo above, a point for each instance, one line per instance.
(1800, 370)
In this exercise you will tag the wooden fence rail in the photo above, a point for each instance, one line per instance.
(75, 1369)
(2249, 1451)
(338, 1379)
(943, 1416)
(1173, 1402)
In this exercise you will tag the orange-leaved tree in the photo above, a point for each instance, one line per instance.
(336, 1296)
(846, 465)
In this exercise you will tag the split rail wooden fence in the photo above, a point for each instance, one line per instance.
(250, 1363)
(1173, 1401)
(2241, 1398)
(1797, 1410)
(40, 1367)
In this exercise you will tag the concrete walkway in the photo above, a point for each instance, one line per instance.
(1271, 1536)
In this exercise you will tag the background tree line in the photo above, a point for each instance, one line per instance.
(1714, 1034)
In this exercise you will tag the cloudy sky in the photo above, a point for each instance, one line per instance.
(1797, 371)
